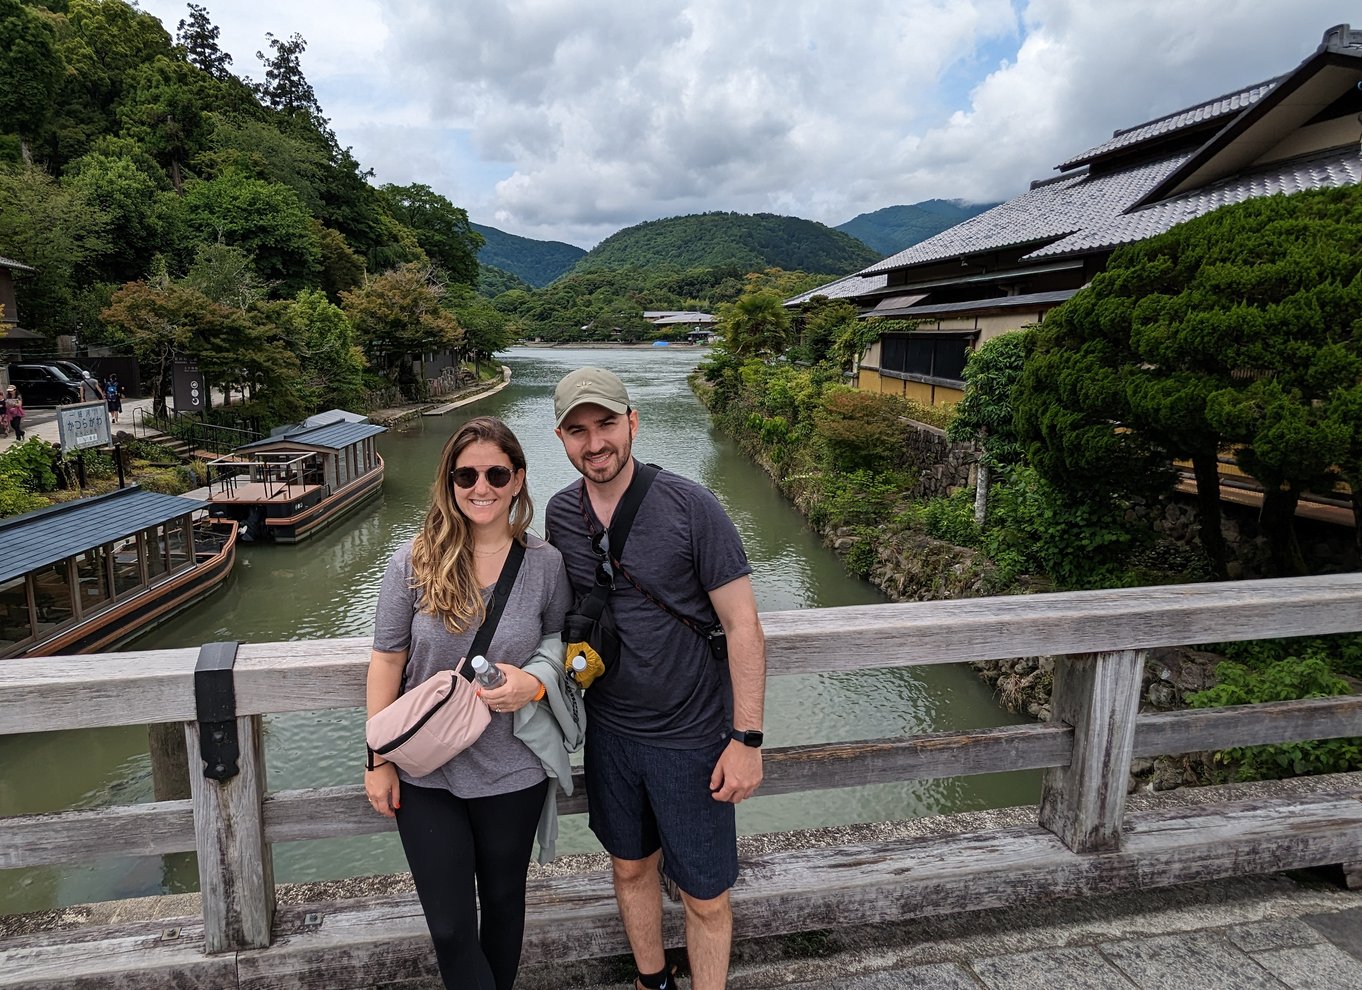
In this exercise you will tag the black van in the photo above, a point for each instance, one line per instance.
(43, 384)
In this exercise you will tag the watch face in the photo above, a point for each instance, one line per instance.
(752, 737)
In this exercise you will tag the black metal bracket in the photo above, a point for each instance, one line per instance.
(215, 705)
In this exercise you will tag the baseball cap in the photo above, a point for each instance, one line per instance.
(594, 385)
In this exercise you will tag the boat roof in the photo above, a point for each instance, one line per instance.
(331, 436)
(36, 539)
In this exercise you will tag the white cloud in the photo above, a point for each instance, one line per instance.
(569, 119)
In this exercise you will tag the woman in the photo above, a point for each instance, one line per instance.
(474, 819)
(14, 412)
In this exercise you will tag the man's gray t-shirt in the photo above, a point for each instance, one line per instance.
(498, 763)
(667, 689)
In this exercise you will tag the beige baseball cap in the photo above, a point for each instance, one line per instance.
(594, 385)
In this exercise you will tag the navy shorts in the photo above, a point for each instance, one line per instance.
(642, 798)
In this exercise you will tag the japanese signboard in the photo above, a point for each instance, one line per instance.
(85, 424)
(191, 388)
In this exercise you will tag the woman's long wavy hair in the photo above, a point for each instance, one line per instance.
(442, 562)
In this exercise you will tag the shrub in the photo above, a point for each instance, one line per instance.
(31, 464)
(857, 499)
(860, 558)
(861, 431)
(952, 519)
(1306, 676)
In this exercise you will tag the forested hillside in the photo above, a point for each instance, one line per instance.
(894, 228)
(731, 240)
(174, 211)
(535, 262)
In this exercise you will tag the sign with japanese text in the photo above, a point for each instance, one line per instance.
(85, 424)
(191, 388)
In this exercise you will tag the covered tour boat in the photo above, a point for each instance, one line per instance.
(292, 485)
(84, 576)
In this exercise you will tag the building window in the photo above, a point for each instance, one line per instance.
(15, 624)
(925, 355)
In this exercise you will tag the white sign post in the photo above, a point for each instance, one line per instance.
(85, 424)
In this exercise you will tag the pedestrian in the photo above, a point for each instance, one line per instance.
(467, 828)
(89, 387)
(113, 394)
(674, 729)
(14, 412)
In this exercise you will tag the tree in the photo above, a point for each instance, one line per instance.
(264, 219)
(330, 362)
(984, 415)
(1232, 332)
(398, 316)
(126, 197)
(226, 275)
(441, 228)
(286, 88)
(756, 324)
(197, 36)
(159, 324)
(821, 322)
(164, 109)
(31, 70)
(486, 329)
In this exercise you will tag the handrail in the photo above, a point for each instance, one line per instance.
(1085, 750)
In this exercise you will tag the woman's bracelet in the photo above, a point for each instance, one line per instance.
(539, 695)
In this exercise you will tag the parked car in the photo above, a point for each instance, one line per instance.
(92, 389)
(44, 384)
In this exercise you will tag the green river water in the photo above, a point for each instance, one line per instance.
(327, 587)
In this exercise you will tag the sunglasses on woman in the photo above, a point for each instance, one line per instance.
(498, 476)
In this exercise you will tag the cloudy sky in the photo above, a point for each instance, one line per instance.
(570, 119)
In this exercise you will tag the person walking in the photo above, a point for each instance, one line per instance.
(467, 828)
(14, 412)
(113, 394)
(671, 747)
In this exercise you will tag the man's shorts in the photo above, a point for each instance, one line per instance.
(642, 798)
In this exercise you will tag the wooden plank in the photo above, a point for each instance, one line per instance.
(78, 692)
(169, 761)
(236, 872)
(132, 957)
(70, 836)
(1201, 729)
(1099, 695)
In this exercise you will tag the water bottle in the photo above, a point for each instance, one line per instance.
(488, 675)
(582, 670)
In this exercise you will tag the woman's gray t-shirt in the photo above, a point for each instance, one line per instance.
(498, 763)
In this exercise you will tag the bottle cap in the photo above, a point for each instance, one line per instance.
(479, 664)
(579, 662)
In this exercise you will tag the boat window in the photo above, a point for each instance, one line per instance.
(155, 542)
(181, 552)
(15, 624)
(92, 577)
(52, 595)
(127, 566)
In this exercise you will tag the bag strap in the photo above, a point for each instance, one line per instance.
(623, 520)
(514, 558)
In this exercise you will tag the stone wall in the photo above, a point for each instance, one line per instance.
(942, 466)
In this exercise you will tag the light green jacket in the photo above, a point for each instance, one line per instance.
(553, 728)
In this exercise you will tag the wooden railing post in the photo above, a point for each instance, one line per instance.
(1099, 695)
(236, 874)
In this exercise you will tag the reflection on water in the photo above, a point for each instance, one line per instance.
(328, 587)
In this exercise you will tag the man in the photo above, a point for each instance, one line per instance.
(670, 747)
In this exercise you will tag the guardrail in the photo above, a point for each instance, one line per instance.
(1082, 841)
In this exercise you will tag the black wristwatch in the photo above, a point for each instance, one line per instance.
(752, 737)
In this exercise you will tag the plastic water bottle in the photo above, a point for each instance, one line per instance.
(488, 675)
(582, 670)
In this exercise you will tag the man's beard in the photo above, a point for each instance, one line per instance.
(611, 470)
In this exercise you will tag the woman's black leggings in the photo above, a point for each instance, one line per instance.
(450, 841)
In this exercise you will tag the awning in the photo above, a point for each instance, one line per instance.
(895, 305)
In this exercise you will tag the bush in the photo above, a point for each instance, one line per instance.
(860, 558)
(952, 519)
(1306, 676)
(861, 431)
(857, 499)
(32, 464)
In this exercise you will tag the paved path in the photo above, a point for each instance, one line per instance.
(1278, 932)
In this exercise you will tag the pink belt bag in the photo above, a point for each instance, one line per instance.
(429, 725)
(439, 718)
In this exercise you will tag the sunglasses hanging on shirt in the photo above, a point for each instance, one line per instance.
(498, 475)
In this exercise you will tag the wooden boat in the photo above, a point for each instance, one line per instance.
(290, 486)
(84, 576)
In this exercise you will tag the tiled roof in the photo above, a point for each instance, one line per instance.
(11, 263)
(1044, 213)
(979, 305)
(1340, 167)
(1216, 109)
(843, 288)
(36, 539)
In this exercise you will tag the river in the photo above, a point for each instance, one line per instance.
(327, 587)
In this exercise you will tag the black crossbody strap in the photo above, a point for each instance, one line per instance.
(623, 519)
(514, 558)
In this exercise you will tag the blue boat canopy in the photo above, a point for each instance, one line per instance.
(36, 539)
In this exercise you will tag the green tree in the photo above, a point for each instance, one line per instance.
(226, 275)
(756, 324)
(486, 329)
(126, 196)
(164, 108)
(286, 88)
(197, 36)
(821, 322)
(441, 228)
(264, 219)
(31, 70)
(331, 364)
(985, 414)
(398, 317)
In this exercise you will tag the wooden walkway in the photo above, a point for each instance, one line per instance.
(1080, 841)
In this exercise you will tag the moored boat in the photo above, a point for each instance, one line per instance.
(290, 486)
(84, 576)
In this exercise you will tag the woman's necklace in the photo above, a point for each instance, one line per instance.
(491, 553)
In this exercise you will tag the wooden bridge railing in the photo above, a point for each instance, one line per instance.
(1083, 840)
